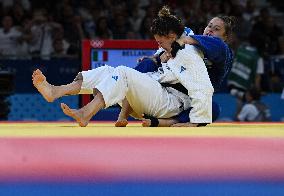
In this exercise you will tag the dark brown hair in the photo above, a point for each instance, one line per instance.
(167, 23)
(229, 24)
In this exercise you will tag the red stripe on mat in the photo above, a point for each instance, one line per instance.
(139, 122)
(141, 158)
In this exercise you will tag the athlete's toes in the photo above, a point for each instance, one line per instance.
(37, 71)
(64, 106)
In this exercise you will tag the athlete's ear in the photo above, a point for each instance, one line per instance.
(172, 36)
(225, 37)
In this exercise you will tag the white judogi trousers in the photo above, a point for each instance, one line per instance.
(144, 94)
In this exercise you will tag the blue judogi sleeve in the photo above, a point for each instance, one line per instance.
(213, 48)
(220, 56)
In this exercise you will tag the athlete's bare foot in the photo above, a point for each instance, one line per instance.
(76, 114)
(39, 81)
(121, 123)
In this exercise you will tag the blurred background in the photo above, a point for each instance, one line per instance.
(48, 35)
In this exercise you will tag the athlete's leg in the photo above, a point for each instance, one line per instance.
(145, 65)
(84, 114)
(138, 89)
(125, 111)
(51, 92)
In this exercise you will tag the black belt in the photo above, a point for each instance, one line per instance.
(178, 86)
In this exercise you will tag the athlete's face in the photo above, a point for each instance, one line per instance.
(216, 27)
(165, 42)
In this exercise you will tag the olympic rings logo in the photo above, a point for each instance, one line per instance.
(97, 43)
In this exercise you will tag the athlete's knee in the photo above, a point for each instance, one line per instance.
(95, 92)
(79, 77)
(100, 98)
(121, 70)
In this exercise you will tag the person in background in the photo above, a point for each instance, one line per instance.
(247, 71)
(9, 38)
(40, 44)
(253, 110)
(102, 29)
(268, 34)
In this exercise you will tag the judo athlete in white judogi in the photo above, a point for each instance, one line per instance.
(143, 91)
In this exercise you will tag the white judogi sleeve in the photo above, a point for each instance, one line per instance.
(191, 71)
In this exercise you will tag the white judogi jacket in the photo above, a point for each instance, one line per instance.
(188, 68)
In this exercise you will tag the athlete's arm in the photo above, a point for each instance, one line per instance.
(214, 48)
